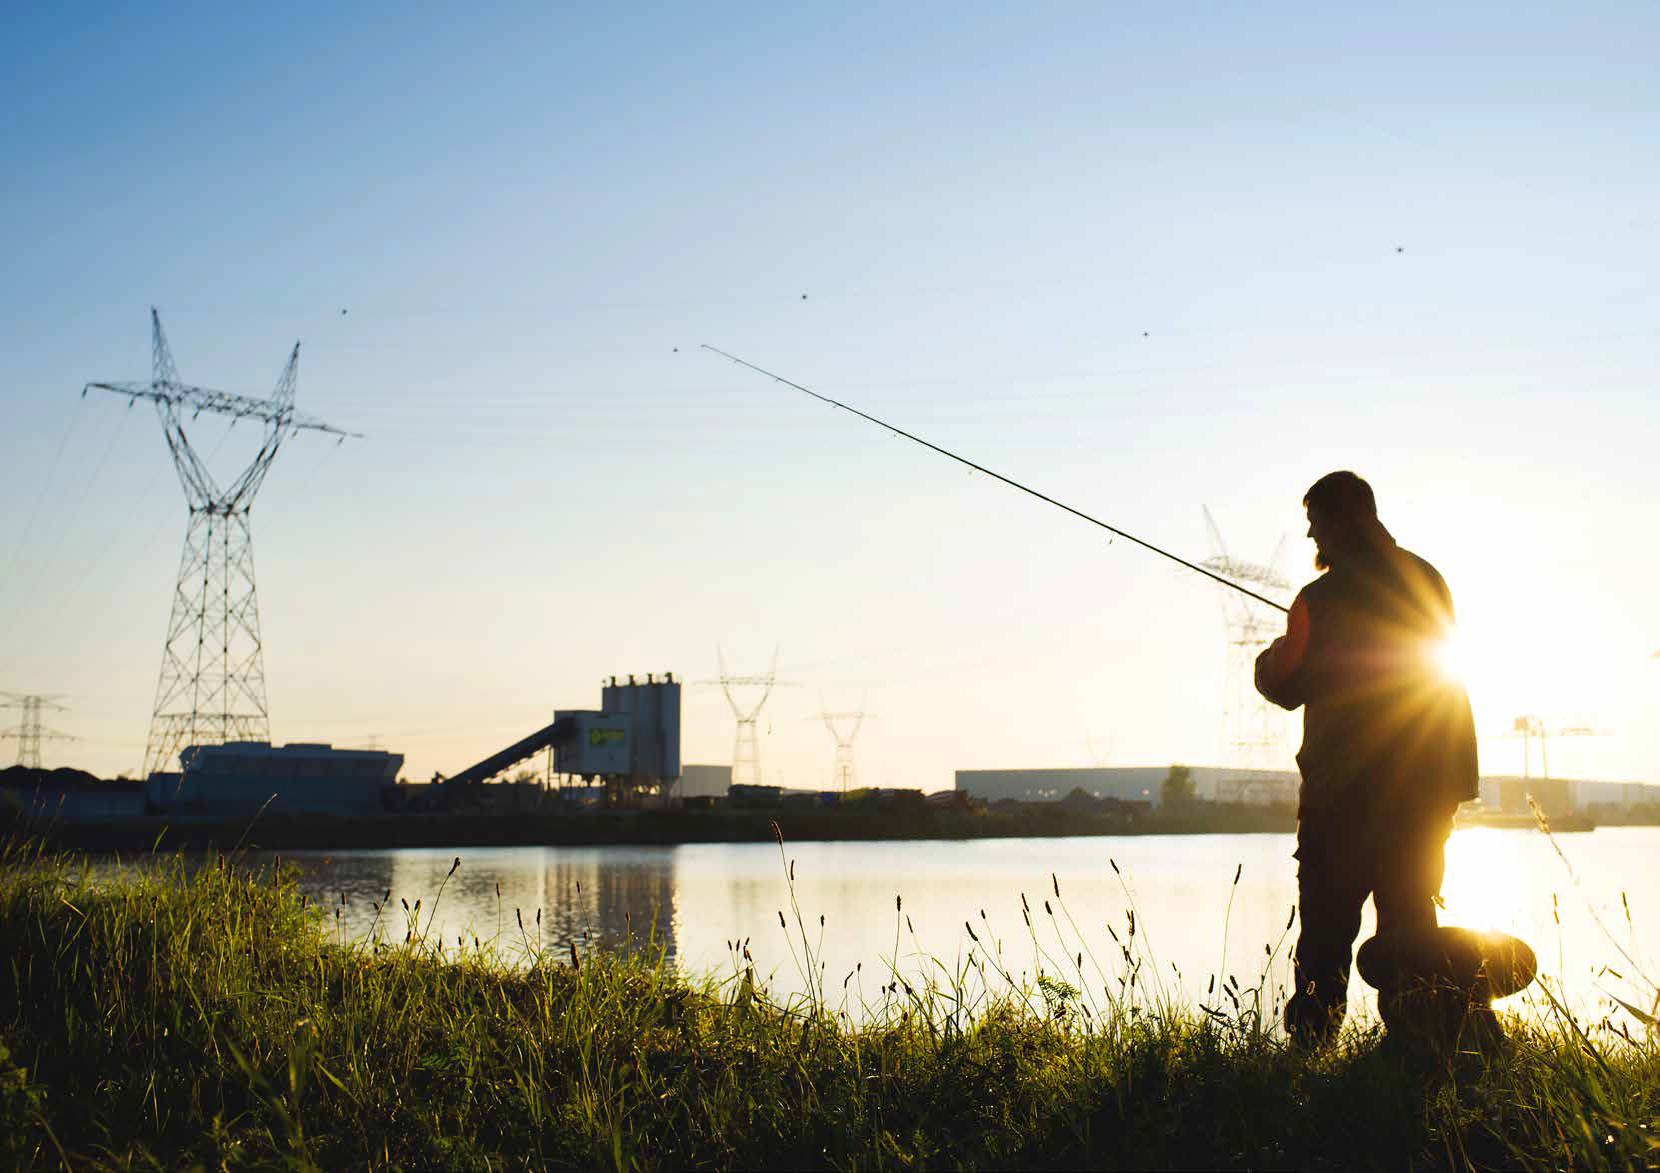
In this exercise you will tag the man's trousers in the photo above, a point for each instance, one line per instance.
(1345, 855)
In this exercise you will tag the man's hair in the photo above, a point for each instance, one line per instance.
(1342, 495)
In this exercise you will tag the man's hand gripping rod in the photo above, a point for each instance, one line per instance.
(1195, 567)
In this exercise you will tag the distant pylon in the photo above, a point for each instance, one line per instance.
(746, 746)
(1253, 733)
(842, 775)
(212, 684)
(30, 732)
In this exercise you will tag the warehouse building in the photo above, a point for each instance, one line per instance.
(1127, 784)
(245, 777)
(697, 781)
(1560, 796)
(1217, 784)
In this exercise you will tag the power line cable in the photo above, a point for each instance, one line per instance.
(45, 487)
(78, 505)
(1012, 483)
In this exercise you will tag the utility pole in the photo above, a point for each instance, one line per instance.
(212, 684)
(30, 732)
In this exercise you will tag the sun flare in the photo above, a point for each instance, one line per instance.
(1452, 659)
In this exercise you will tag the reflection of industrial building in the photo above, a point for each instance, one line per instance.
(628, 900)
(551, 898)
(1127, 784)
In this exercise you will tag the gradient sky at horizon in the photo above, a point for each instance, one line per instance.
(1146, 257)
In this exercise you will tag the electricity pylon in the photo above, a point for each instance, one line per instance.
(30, 732)
(1252, 730)
(212, 684)
(746, 746)
(842, 776)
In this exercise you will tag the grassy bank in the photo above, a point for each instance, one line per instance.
(179, 1017)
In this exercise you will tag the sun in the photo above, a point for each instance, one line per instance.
(1491, 671)
(1505, 676)
(1451, 657)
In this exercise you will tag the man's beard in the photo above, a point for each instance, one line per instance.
(1321, 562)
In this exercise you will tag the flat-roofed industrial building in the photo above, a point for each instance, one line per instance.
(700, 781)
(1560, 796)
(1220, 784)
(244, 777)
(1127, 784)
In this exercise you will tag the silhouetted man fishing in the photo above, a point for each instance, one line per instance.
(1389, 745)
(1389, 751)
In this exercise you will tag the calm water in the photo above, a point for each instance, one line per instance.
(694, 900)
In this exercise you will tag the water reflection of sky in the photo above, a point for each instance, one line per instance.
(698, 898)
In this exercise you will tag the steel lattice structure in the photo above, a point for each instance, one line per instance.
(30, 732)
(842, 775)
(746, 746)
(1253, 732)
(212, 684)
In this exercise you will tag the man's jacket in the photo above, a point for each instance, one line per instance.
(1384, 727)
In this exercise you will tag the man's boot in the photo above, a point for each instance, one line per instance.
(1312, 1021)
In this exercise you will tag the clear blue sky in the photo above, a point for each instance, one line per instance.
(1146, 256)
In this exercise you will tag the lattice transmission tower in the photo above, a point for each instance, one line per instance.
(746, 746)
(212, 684)
(842, 776)
(1253, 732)
(31, 731)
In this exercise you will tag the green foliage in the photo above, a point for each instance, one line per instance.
(22, 1113)
(204, 1016)
(1177, 788)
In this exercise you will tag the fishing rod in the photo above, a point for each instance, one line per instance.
(1111, 529)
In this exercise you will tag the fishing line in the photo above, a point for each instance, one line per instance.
(45, 487)
(72, 515)
(1111, 529)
